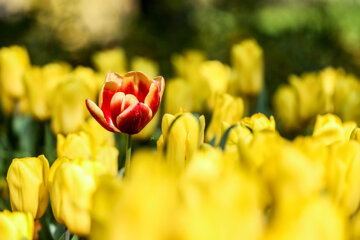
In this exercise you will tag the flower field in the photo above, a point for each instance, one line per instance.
(101, 142)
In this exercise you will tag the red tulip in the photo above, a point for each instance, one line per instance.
(127, 103)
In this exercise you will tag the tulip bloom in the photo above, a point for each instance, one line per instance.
(16, 225)
(127, 103)
(27, 179)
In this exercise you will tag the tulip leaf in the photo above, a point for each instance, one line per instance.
(225, 137)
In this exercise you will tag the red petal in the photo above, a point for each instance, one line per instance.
(134, 118)
(115, 105)
(153, 99)
(97, 113)
(128, 86)
(112, 83)
(143, 84)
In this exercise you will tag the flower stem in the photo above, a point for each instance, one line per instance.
(128, 153)
(67, 234)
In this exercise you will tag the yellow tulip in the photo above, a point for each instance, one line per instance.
(16, 225)
(217, 76)
(218, 202)
(239, 134)
(316, 218)
(113, 60)
(72, 185)
(247, 60)
(226, 109)
(68, 110)
(187, 67)
(310, 95)
(79, 145)
(286, 108)
(145, 65)
(124, 210)
(14, 61)
(330, 129)
(28, 185)
(178, 95)
(343, 180)
(74, 145)
(181, 135)
(259, 122)
(97, 134)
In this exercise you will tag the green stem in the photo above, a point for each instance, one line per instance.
(67, 235)
(128, 153)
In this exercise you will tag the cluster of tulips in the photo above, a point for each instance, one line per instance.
(230, 177)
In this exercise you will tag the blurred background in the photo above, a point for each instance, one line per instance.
(296, 35)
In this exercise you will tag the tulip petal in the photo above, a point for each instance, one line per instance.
(128, 101)
(115, 105)
(128, 86)
(134, 118)
(161, 81)
(98, 114)
(112, 83)
(153, 99)
(143, 84)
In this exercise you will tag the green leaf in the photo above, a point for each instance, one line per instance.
(225, 136)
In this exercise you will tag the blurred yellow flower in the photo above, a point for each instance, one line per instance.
(71, 188)
(309, 92)
(140, 207)
(219, 202)
(259, 122)
(40, 84)
(343, 180)
(226, 109)
(14, 61)
(28, 185)
(145, 65)
(216, 75)
(16, 225)
(330, 129)
(68, 110)
(97, 134)
(247, 60)
(181, 135)
(79, 145)
(313, 219)
(286, 108)
(178, 95)
(187, 67)
(113, 60)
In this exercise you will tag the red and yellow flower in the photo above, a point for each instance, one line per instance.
(127, 103)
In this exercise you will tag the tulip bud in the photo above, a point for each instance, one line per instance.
(217, 76)
(97, 134)
(14, 61)
(330, 129)
(227, 109)
(181, 135)
(113, 60)
(343, 180)
(67, 109)
(286, 108)
(259, 122)
(71, 188)
(247, 60)
(28, 185)
(16, 225)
